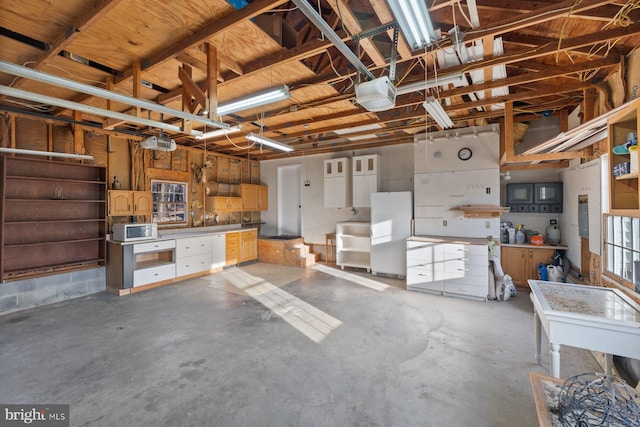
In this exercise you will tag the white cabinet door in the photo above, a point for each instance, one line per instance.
(193, 246)
(337, 183)
(218, 250)
(193, 264)
(159, 273)
(162, 245)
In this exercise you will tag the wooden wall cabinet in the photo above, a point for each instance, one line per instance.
(249, 197)
(254, 197)
(223, 204)
(263, 198)
(127, 203)
(53, 216)
(521, 263)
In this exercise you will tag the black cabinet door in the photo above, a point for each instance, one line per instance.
(548, 192)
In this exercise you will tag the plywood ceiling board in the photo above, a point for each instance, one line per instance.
(41, 20)
(123, 40)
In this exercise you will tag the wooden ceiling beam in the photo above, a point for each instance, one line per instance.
(381, 9)
(352, 24)
(601, 13)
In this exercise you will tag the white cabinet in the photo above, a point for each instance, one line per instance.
(366, 179)
(448, 266)
(218, 250)
(337, 183)
(152, 262)
(353, 244)
(193, 255)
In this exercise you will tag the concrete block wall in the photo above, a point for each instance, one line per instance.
(28, 293)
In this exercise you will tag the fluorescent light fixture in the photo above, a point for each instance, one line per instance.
(28, 73)
(414, 21)
(270, 142)
(457, 79)
(45, 153)
(36, 97)
(436, 111)
(254, 100)
(220, 132)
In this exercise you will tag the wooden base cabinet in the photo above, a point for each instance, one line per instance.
(241, 246)
(521, 263)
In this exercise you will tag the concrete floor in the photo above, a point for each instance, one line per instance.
(306, 349)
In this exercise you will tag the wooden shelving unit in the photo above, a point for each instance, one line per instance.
(226, 198)
(624, 195)
(53, 216)
(481, 211)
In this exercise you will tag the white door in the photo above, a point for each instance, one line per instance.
(289, 201)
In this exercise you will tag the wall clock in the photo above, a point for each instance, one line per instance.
(465, 153)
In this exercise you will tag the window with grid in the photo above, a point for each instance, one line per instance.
(169, 202)
(622, 248)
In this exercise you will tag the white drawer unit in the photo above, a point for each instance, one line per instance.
(193, 246)
(448, 266)
(159, 273)
(193, 264)
(162, 245)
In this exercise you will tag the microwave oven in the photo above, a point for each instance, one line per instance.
(131, 232)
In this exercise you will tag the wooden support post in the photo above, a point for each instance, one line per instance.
(212, 73)
(564, 120)
(137, 84)
(507, 133)
(49, 139)
(110, 86)
(78, 134)
(13, 133)
(187, 71)
(588, 106)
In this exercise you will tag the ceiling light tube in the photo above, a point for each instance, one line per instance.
(270, 142)
(45, 153)
(414, 21)
(28, 73)
(426, 84)
(44, 99)
(219, 132)
(436, 111)
(267, 96)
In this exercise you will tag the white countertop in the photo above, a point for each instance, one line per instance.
(528, 245)
(449, 239)
(180, 233)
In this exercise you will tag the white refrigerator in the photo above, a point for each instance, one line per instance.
(391, 216)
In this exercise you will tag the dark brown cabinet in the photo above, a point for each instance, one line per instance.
(543, 197)
(53, 216)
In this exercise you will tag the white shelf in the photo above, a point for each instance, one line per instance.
(353, 244)
(356, 249)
